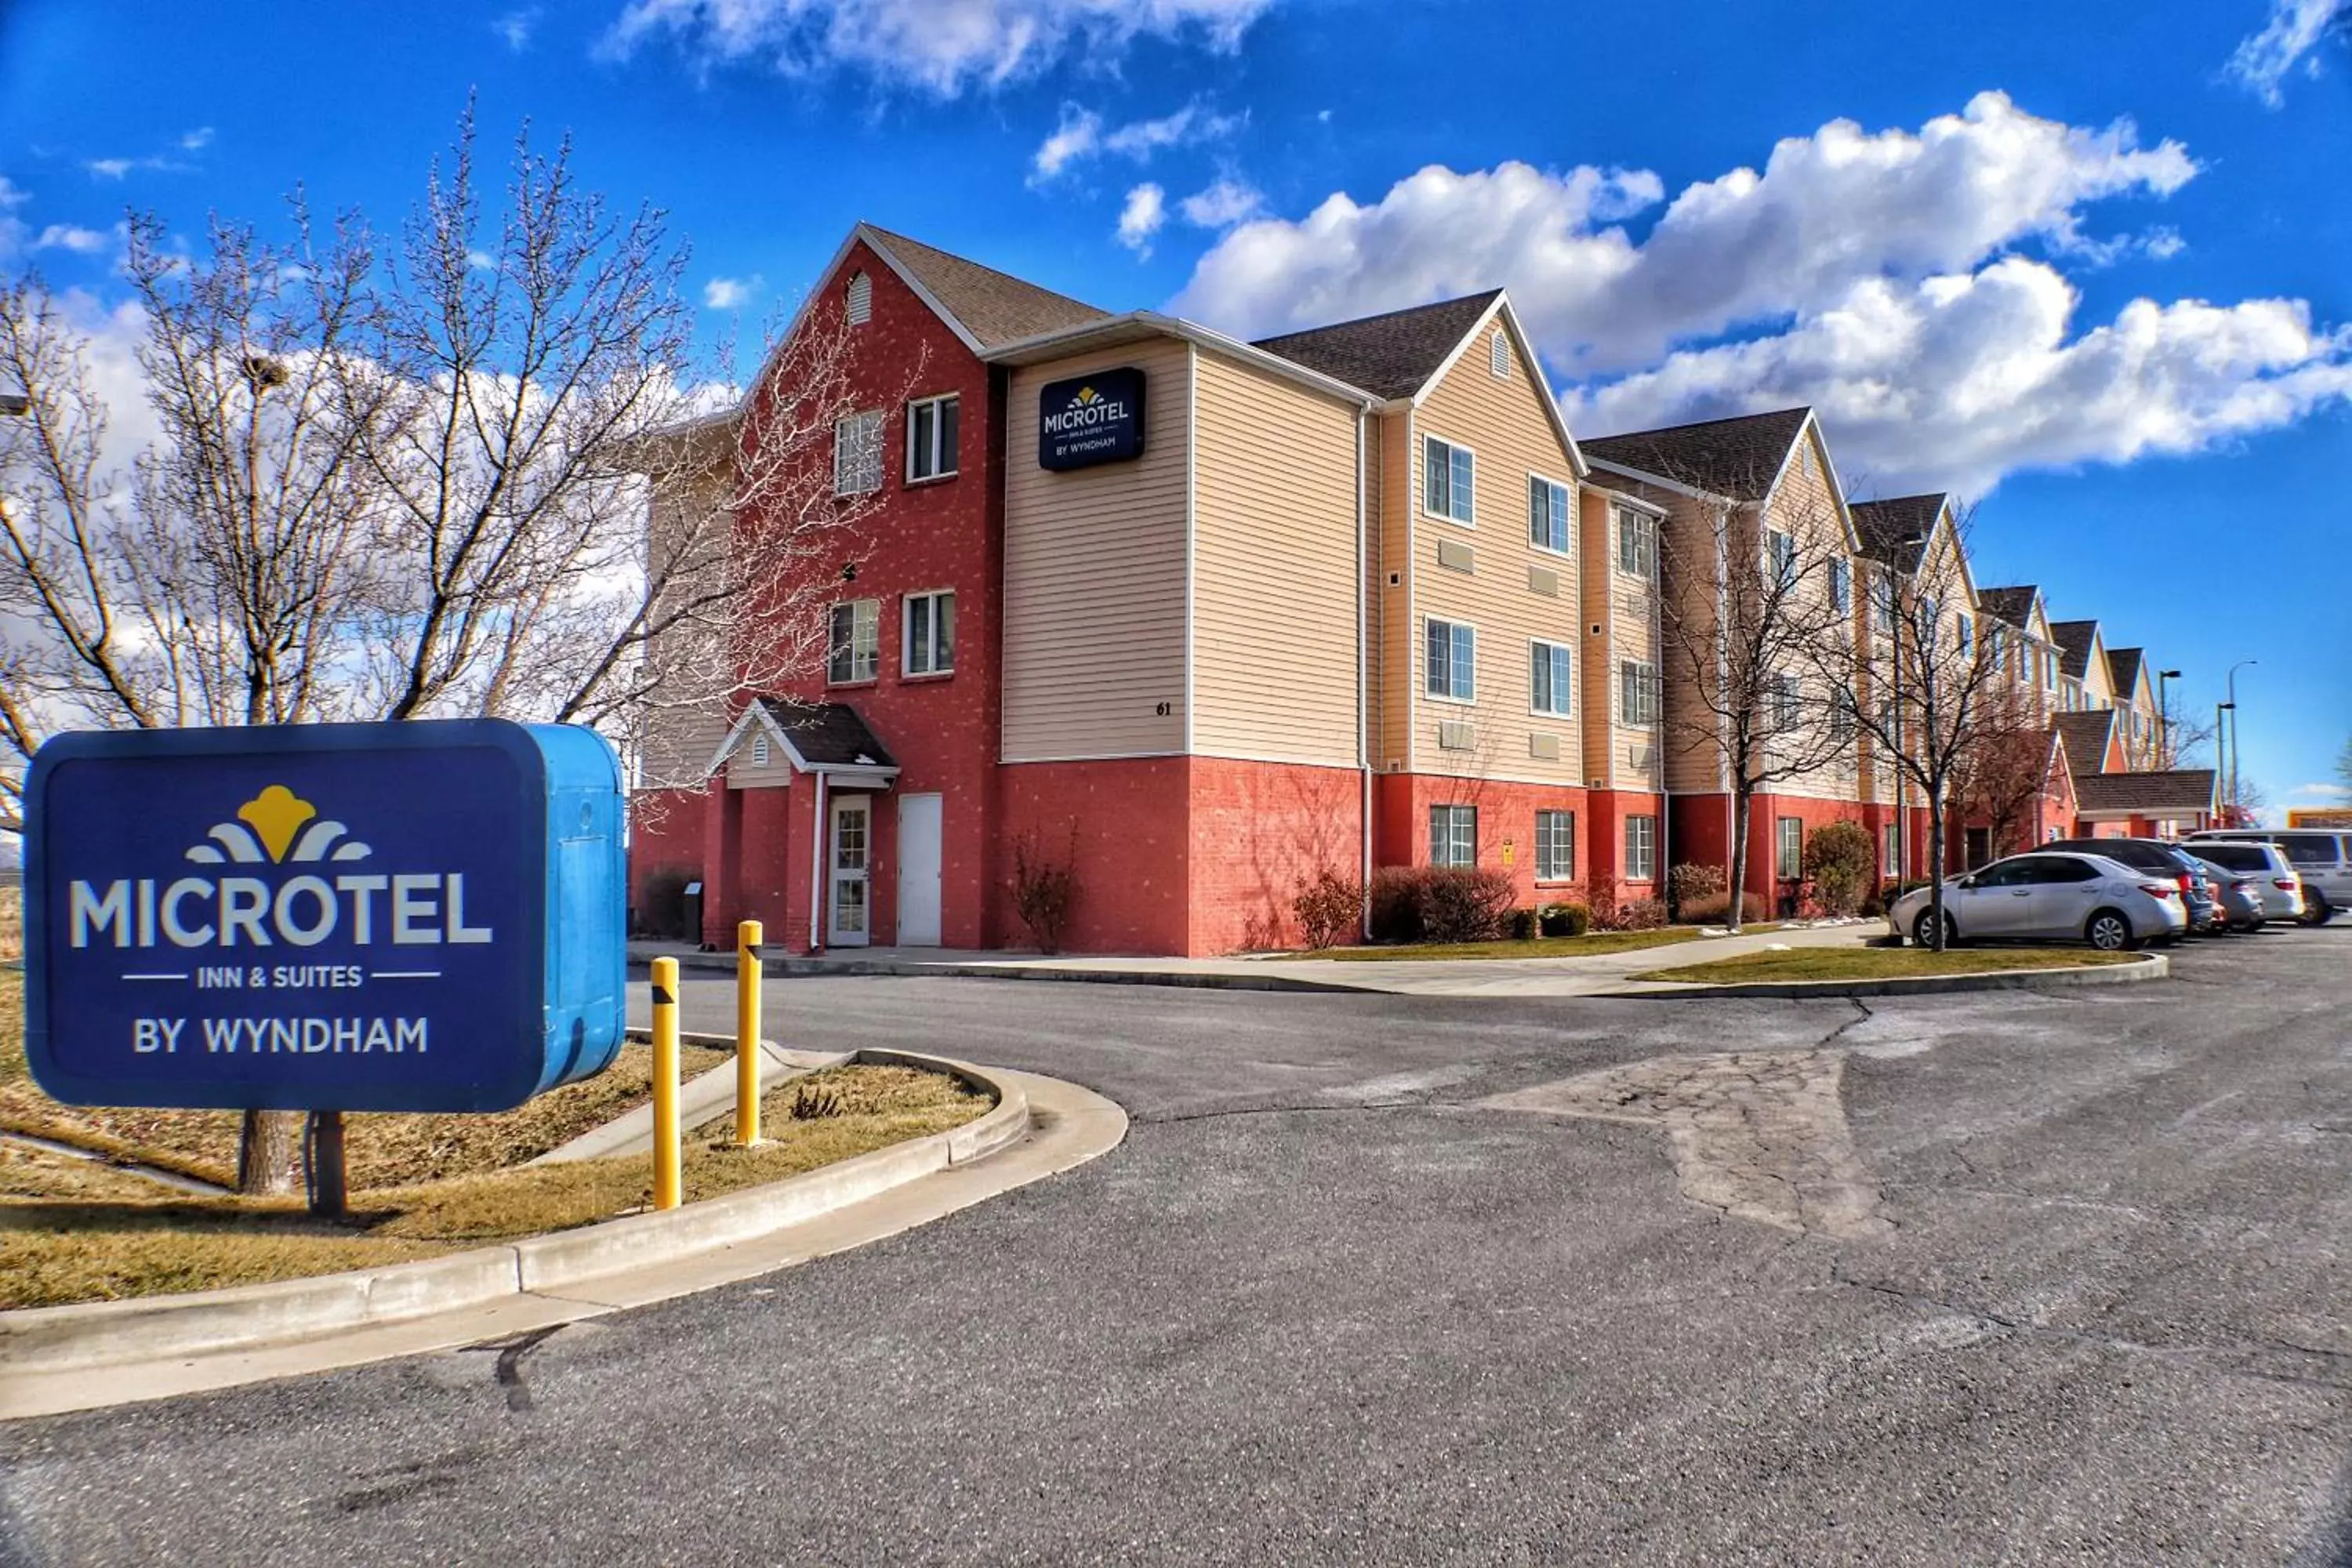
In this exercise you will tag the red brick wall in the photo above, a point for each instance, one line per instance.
(666, 830)
(1603, 841)
(1703, 831)
(1506, 826)
(1124, 825)
(1259, 830)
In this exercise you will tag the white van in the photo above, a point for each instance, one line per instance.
(2323, 859)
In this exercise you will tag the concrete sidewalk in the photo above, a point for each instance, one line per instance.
(1602, 974)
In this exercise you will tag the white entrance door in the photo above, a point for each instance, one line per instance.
(850, 919)
(918, 870)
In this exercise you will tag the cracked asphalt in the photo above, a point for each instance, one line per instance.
(1422, 1279)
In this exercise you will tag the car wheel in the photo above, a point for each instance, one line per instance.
(1923, 931)
(2109, 932)
(2318, 911)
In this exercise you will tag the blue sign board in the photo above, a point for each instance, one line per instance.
(422, 916)
(1090, 419)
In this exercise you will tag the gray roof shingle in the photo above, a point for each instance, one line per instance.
(2123, 671)
(828, 734)
(2075, 639)
(1895, 531)
(2086, 735)
(994, 307)
(2014, 605)
(1739, 458)
(1389, 355)
(2184, 791)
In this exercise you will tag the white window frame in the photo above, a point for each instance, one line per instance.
(1968, 635)
(1566, 496)
(1642, 528)
(1470, 496)
(866, 649)
(1787, 697)
(1560, 840)
(1780, 557)
(1564, 692)
(1640, 848)
(1456, 819)
(1890, 844)
(1429, 670)
(857, 442)
(906, 643)
(1841, 586)
(1640, 702)
(934, 404)
(1788, 862)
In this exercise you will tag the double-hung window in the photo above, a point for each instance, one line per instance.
(1787, 704)
(1882, 600)
(1555, 845)
(929, 634)
(1891, 864)
(1637, 543)
(1781, 558)
(1453, 836)
(1789, 844)
(857, 454)
(1637, 692)
(931, 437)
(854, 648)
(1547, 513)
(1968, 635)
(1446, 479)
(1841, 586)
(1640, 848)
(1452, 673)
(2049, 671)
(1551, 686)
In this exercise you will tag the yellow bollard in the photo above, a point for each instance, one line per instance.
(669, 1178)
(747, 1033)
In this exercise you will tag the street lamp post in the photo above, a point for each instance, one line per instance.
(2164, 718)
(2232, 705)
(15, 404)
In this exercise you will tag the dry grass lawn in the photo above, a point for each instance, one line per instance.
(1881, 963)
(382, 1150)
(12, 922)
(1590, 945)
(70, 1234)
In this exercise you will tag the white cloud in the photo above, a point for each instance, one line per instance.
(2290, 37)
(111, 168)
(1222, 204)
(940, 46)
(1954, 379)
(515, 28)
(2322, 794)
(732, 293)
(1080, 135)
(66, 236)
(196, 141)
(1077, 136)
(1141, 218)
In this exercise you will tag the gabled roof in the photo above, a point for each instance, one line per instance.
(2075, 639)
(2123, 671)
(2086, 735)
(992, 307)
(2014, 605)
(1391, 355)
(2184, 791)
(1895, 532)
(1740, 458)
(823, 735)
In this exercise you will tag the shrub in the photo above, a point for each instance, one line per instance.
(1641, 914)
(1523, 925)
(1840, 860)
(1689, 881)
(1439, 903)
(1044, 891)
(1600, 903)
(1564, 919)
(1328, 909)
(1714, 910)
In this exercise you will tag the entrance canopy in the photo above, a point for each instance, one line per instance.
(827, 739)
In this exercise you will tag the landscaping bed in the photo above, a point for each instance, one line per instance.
(1881, 963)
(1589, 946)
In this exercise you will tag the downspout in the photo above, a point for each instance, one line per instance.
(816, 871)
(1363, 687)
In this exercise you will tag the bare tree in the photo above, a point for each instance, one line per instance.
(407, 486)
(2002, 769)
(1750, 600)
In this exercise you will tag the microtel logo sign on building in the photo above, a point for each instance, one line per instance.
(332, 917)
(1090, 419)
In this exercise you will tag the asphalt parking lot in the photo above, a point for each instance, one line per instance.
(2005, 1277)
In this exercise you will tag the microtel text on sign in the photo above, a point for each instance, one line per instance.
(398, 917)
(1090, 419)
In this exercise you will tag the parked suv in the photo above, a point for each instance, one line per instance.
(2158, 859)
(2323, 861)
(2273, 875)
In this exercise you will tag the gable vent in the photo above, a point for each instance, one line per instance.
(1498, 356)
(758, 750)
(859, 303)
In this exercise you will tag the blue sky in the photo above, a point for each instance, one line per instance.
(2091, 262)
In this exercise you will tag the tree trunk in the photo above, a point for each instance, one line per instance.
(1742, 801)
(267, 1150)
(1936, 866)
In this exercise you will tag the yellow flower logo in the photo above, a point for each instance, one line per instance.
(266, 829)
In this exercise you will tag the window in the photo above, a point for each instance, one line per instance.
(1968, 635)
(1841, 586)
(1637, 693)
(857, 304)
(1550, 684)
(857, 454)
(1637, 543)
(1881, 598)
(1785, 702)
(1499, 355)
(1453, 836)
(1841, 721)
(1640, 848)
(929, 641)
(1789, 848)
(1891, 864)
(1453, 672)
(853, 651)
(2049, 671)
(931, 437)
(1445, 478)
(1780, 557)
(1555, 845)
(1547, 515)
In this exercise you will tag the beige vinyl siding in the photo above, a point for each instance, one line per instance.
(1095, 575)
(1689, 546)
(1273, 568)
(1597, 641)
(1504, 423)
(1637, 751)
(1806, 506)
(1395, 625)
(742, 773)
(681, 728)
(1376, 682)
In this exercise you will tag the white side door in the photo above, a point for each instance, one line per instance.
(918, 870)
(849, 916)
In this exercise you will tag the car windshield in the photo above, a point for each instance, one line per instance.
(2234, 857)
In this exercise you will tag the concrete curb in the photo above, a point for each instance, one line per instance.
(39, 1340)
(701, 1100)
(813, 968)
(2149, 967)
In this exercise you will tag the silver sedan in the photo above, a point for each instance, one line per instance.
(2055, 896)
